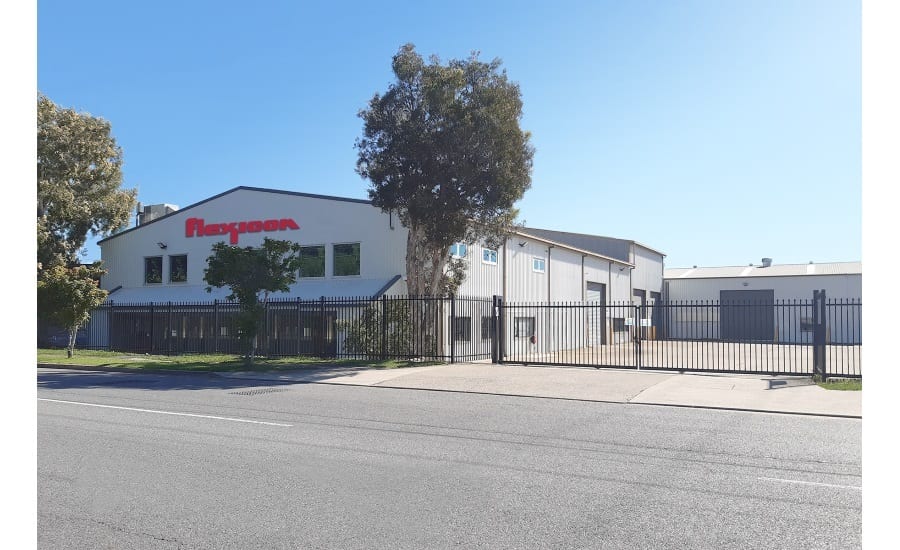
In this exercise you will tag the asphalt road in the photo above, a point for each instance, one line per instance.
(196, 461)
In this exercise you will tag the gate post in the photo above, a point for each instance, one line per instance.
(216, 326)
(494, 332)
(152, 315)
(384, 323)
(452, 328)
(819, 333)
(501, 330)
(637, 336)
(169, 330)
(321, 342)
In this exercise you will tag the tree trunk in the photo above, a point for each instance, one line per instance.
(70, 349)
(414, 285)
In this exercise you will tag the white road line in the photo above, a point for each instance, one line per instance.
(168, 412)
(811, 483)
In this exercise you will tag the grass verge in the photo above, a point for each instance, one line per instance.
(842, 385)
(209, 363)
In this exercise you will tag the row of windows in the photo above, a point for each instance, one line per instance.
(345, 263)
(153, 269)
(460, 250)
(344, 260)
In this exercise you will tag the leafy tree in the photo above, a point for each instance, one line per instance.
(252, 274)
(443, 148)
(68, 295)
(79, 175)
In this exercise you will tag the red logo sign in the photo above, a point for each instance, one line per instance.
(196, 227)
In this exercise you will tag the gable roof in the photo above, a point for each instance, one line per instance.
(529, 235)
(238, 188)
(605, 246)
(782, 270)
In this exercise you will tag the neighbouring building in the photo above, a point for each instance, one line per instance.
(767, 302)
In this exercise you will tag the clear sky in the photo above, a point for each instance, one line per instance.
(715, 131)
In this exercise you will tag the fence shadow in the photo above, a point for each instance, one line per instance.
(180, 381)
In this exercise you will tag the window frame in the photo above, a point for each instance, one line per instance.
(529, 325)
(185, 256)
(543, 261)
(334, 257)
(146, 282)
(456, 255)
(487, 262)
(324, 248)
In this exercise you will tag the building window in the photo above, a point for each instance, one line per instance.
(346, 259)
(153, 270)
(178, 268)
(312, 261)
(458, 250)
(489, 256)
(462, 329)
(487, 328)
(523, 327)
(538, 265)
(618, 324)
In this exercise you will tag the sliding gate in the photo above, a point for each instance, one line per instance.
(755, 335)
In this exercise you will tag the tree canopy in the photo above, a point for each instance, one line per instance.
(443, 147)
(251, 274)
(68, 295)
(79, 178)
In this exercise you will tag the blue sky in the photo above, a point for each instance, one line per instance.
(718, 132)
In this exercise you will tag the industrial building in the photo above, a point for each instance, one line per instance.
(767, 302)
(352, 248)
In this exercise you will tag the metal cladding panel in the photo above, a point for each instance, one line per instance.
(321, 222)
(482, 279)
(648, 270)
(598, 271)
(620, 288)
(786, 288)
(566, 276)
(523, 283)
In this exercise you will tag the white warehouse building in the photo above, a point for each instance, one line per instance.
(352, 248)
(777, 299)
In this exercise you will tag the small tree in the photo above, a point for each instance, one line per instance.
(68, 295)
(252, 274)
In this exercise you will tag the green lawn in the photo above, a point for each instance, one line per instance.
(208, 363)
(843, 385)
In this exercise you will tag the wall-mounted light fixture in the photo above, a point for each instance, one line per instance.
(162, 245)
(522, 243)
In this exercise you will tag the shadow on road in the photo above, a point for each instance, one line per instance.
(64, 380)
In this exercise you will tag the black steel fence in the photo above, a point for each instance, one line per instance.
(815, 336)
(390, 327)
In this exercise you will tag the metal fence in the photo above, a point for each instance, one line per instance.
(815, 336)
(390, 327)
